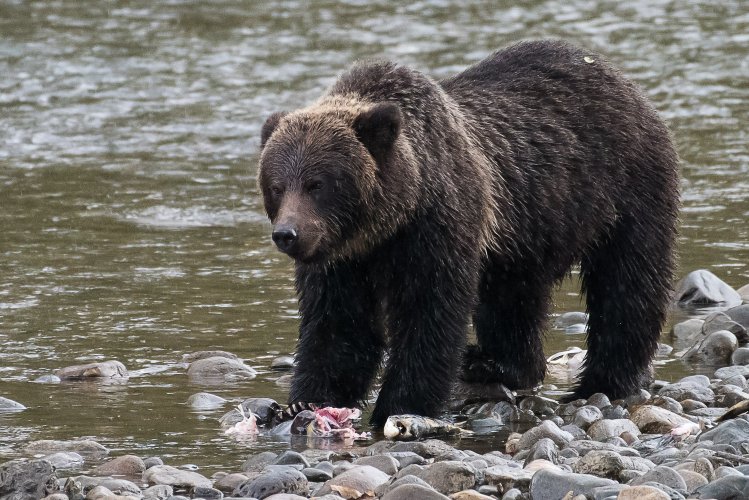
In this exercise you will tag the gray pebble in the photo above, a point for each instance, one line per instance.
(205, 401)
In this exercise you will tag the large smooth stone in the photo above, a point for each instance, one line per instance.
(702, 288)
(656, 420)
(361, 479)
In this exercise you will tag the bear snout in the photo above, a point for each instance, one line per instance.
(285, 237)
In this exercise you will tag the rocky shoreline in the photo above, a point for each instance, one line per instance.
(685, 439)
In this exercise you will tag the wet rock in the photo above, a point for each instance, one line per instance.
(599, 400)
(205, 401)
(586, 415)
(570, 318)
(610, 464)
(553, 485)
(399, 481)
(100, 493)
(290, 457)
(229, 482)
(256, 463)
(177, 478)
(105, 369)
(544, 449)
(267, 410)
(642, 493)
(731, 487)
(688, 330)
(316, 475)
(740, 356)
(715, 349)
(85, 447)
(688, 390)
(158, 492)
(386, 464)
(605, 429)
(449, 477)
(730, 432)
(406, 458)
(485, 425)
(126, 465)
(282, 363)
(702, 288)
(274, 479)
(47, 379)
(10, 405)
(65, 460)
(744, 292)
(655, 420)
(220, 368)
(412, 491)
(27, 479)
(361, 479)
(740, 314)
(721, 321)
(539, 405)
(662, 475)
(547, 429)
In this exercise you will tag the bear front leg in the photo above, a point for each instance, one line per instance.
(428, 309)
(340, 343)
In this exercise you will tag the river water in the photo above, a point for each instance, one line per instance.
(130, 225)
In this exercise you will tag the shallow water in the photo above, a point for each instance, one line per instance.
(130, 226)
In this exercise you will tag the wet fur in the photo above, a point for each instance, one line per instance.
(499, 180)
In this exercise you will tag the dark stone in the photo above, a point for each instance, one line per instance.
(207, 493)
(27, 480)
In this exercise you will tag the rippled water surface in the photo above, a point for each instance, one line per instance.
(130, 226)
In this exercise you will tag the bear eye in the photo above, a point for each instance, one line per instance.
(276, 190)
(314, 186)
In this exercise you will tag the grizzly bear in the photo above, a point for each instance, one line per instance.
(412, 205)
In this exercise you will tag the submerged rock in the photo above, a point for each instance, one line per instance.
(219, 367)
(10, 405)
(85, 447)
(105, 369)
(205, 401)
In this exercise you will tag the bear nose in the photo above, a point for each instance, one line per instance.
(285, 238)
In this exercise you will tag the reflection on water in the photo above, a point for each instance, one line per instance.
(131, 228)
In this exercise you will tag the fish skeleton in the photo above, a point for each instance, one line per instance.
(405, 427)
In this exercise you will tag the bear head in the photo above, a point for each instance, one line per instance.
(318, 174)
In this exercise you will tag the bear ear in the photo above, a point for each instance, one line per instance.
(270, 125)
(378, 128)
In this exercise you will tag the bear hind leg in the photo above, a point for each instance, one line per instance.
(509, 322)
(627, 282)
